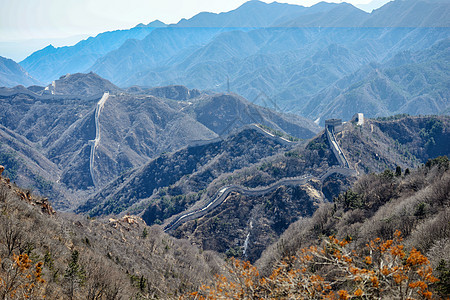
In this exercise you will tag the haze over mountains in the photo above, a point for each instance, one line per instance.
(298, 57)
(412, 82)
(12, 74)
(50, 63)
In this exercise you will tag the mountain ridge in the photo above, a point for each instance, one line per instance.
(50, 63)
(411, 82)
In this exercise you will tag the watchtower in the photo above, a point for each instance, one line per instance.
(334, 125)
(358, 118)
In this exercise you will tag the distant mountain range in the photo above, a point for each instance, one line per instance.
(251, 14)
(287, 57)
(412, 82)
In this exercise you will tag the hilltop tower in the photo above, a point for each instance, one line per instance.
(334, 125)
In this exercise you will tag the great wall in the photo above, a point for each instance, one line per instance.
(220, 197)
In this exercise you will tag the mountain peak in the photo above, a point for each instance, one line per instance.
(154, 24)
(253, 13)
(81, 84)
(50, 46)
(254, 2)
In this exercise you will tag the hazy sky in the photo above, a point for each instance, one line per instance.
(51, 20)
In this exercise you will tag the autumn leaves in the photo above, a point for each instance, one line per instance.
(383, 269)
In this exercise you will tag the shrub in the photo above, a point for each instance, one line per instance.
(332, 271)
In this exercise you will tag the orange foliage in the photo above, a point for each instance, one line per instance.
(358, 293)
(22, 280)
(332, 271)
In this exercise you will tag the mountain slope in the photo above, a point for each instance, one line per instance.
(12, 74)
(224, 113)
(415, 203)
(64, 129)
(117, 258)
(153, 51)
(29, 168)
(368, 232)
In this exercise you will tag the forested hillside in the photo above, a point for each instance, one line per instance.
(64, 256)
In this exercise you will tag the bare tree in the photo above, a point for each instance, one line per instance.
(102, 280)
(11, 233)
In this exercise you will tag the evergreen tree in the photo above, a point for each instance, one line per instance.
(398, 171)
(75, 274)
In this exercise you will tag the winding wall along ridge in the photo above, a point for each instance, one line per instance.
(221, 196)
(94, 143)
(337, 151)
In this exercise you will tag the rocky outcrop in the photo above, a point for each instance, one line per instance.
(126, 222)
(26, 195)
